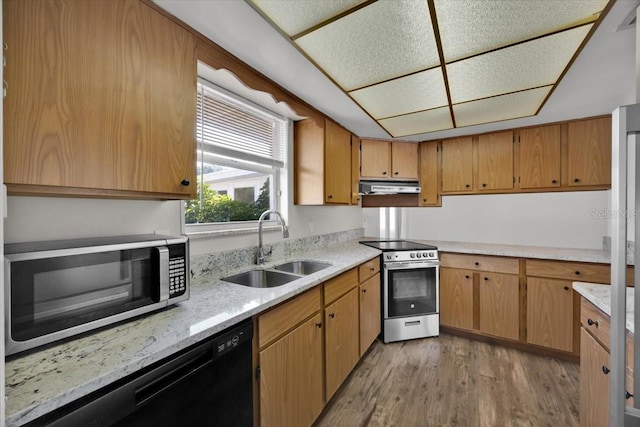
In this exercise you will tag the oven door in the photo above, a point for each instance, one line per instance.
(411, 289)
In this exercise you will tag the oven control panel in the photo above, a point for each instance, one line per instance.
(410, 255)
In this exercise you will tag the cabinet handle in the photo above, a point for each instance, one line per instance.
(627, 395)
(319, 325)
(384, 173)
(364, 291)
(395, 173)
(330, 196)
(486, 278)
(577, 272)
(576, 180)
(566, 288)
(424, 200)
(332, 315)
(371, 268)
(555, 181)
(466, 277)
(476, 263)
(467, 186)
(185, 182)
(592, 322)
(484, 185)
(605, 370)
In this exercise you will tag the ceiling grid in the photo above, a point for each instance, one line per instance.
(418, 66)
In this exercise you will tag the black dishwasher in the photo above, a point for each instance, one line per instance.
(208, 384)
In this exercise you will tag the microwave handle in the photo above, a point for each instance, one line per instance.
(163, 267)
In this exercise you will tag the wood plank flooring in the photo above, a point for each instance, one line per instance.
(454, 381)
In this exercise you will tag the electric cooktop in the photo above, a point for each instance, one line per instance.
(398, 245)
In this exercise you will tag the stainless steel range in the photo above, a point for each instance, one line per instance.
(410, 289)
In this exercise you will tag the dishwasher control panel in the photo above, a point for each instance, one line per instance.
(230, 341)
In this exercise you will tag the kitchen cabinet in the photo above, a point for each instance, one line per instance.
(355, 170)
(291, 362)
(113, 121)
(589, 152)
(457, 165)
(388, 159)
(539, 157)
(370, 316)
(429, 174)
(322, 164)
(480, 293)
(456, 298)
(550, 313)
(495, 161)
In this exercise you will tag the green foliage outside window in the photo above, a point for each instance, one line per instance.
(217, 207)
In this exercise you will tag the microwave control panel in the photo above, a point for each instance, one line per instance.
(177, 271)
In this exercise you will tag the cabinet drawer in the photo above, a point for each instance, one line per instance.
(596, 322)
(340, 285)
(481, 263)
(281, 319)
(369, 268)
(574, 271)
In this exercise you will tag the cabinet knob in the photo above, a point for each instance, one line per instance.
(424, 200)
(364, 291)
(577, 272)
(576, 180)
(318, 325)
(371, 268)
(627, 395)
(486, 278)
(555, 181)
(384, 173)
(566, 288)
(330, 196)
(467, 186)
(185, 182)
(484, 185)
(477, 263)
(395, 173)
(591, 322)
(466, 277)
(605, 370)
(332, 315)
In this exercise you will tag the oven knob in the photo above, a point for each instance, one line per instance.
(426, 254)
(389, 256)
(432, 254)
(412, 255)
(418, 255)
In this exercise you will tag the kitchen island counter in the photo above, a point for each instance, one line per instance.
(44, 380)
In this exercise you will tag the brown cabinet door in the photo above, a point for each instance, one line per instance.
(589, 152)
(337, 172)
(456, 298)
(499, 304)
(404, 160)
(495, 161)
(102, 98)
(540, 157)
(291, 377)
(369, 312)
(594, 384)
(375, 159)
(550, 313)
(342, 349)
(355, 170)
(429, 174)
(457, 165)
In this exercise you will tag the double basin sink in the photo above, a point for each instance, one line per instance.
(277, 275)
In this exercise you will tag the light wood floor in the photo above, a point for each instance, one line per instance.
(453, 381)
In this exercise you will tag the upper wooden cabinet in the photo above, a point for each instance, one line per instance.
(589, 152)
(457, 165)
(101, 100)
(322, 164)
(539, 157)
(388, 159)
(429, 174)
(495, 161)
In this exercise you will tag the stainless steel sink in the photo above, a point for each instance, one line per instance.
(262, 278)
(303, 267)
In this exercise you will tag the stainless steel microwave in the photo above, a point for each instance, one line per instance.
(57, 289)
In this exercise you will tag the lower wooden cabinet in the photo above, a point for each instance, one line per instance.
(291, 377)
(550, 313)
(370, 316)
(456, 298)
(594, 384)
(342, 350)
(499, 305)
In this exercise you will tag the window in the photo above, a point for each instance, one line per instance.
(241, 153)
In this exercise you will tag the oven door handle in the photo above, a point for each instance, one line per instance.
(410, 265)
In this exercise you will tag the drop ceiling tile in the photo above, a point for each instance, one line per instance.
(421, 122)
(421, 91)
(498, 108)
(536, 63)
(293, 17)
(471, 27)
(384, 40)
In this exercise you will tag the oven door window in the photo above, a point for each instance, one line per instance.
(412, 292)
(60, 293)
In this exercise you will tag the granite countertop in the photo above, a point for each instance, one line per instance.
(45, 380)
(522, 251)
(600, 296)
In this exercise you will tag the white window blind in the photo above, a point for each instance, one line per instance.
(227, 127)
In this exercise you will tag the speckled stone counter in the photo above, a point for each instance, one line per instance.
(45, 380)
(522, 251)
(600, 296)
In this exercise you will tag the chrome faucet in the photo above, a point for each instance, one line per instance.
(261, 258)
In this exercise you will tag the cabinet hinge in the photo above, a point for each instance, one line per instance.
(360, 146)
(526, 287)
(257, 372)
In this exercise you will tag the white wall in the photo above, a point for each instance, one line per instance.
(563, 219)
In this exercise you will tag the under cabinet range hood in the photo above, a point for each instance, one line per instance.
(389, 187)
